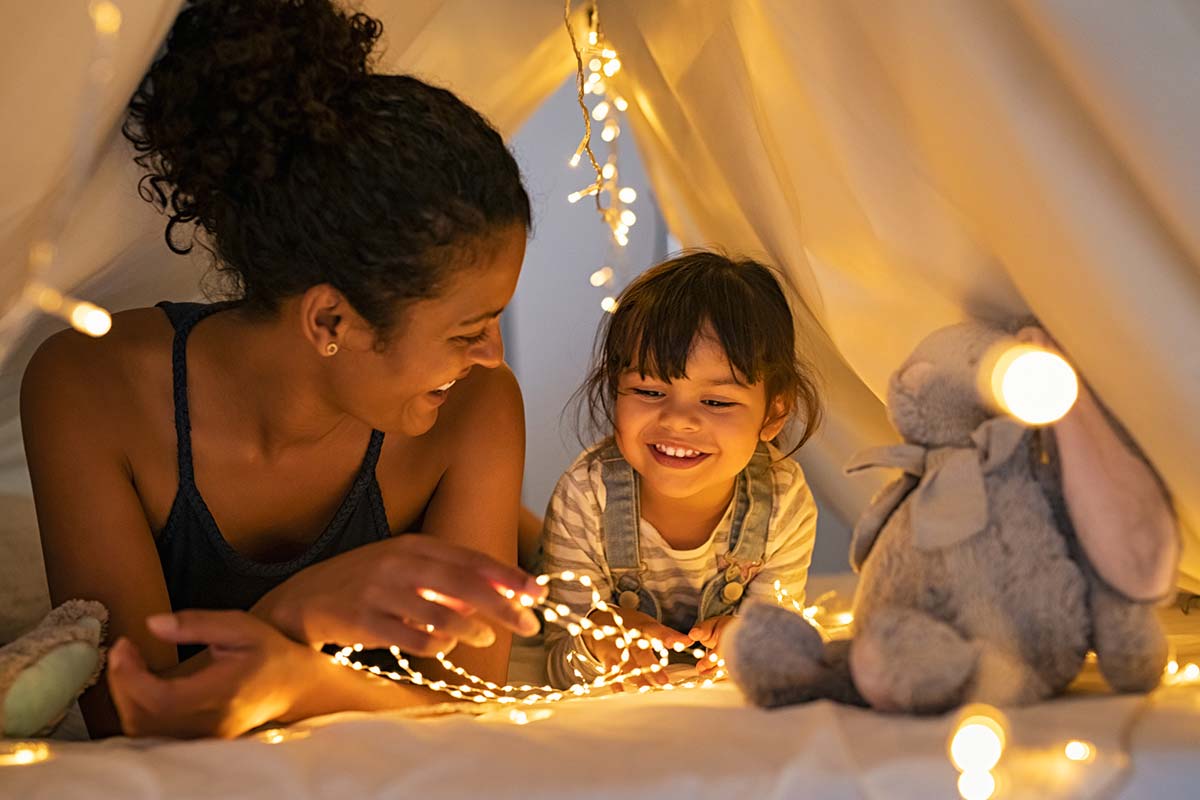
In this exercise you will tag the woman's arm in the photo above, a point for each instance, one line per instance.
(477, 501)
(95, 538)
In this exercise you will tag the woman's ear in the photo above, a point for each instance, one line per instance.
(777, 416)
(329, 322)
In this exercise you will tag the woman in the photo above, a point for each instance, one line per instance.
(260, 455)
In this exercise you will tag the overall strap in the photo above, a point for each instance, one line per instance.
(621, 529)
(749, 529)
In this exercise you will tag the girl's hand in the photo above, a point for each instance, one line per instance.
(607, 653)
(709, 633)
(421, 594)
(253, 675)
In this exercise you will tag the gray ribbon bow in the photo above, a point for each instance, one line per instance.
(949, 501)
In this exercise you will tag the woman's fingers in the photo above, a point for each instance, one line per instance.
(500, 576)
(437, 618)
(447, 585)
(220, 630)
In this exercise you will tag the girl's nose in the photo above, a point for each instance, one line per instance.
(678, 417)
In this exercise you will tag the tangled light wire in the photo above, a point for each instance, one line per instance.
(626, 639)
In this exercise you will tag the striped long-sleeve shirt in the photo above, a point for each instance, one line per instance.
(571, 540)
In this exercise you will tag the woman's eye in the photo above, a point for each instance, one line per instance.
(718, 403)
(473, 339)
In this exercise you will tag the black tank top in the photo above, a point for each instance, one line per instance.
(201, 569)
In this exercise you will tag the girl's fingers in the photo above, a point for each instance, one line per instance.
(705, 632)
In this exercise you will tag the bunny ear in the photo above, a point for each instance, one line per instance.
(1119, 510)
(997, 439)
(950, 505)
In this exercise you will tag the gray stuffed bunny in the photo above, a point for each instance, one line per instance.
(1001, 555)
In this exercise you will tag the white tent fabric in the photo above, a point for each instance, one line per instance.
(906, 164)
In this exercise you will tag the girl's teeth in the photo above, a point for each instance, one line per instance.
(445, 386)
(676, 452)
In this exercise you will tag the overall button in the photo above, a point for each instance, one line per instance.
(629, 600)
(732, 592)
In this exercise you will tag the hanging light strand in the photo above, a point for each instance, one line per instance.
(585, 144)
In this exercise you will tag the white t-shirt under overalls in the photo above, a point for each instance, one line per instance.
(572, 540)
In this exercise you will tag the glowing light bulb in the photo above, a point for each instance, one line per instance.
(1191, 672)
(977, 744)
(609, 304)
(106, 17)
(22, 753)
(1078, 751)
(627, 195)
(628, 217)
(612, 67)
(600, 111)
(976, 785)
(1036, 386)
(608, 52)
(593, 37)
(601, 276)
(574, 162)
(621, 103)
(598, 87)
(611, 131)
(594, 65)
(91, 319)
(608, 171)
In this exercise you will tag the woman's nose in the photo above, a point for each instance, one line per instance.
(489, 353)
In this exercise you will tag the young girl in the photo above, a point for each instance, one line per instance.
(686, 509)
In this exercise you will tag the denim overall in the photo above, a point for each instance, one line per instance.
(752, 497)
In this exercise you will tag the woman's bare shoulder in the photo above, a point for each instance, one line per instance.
(489, 399)
(114, 375)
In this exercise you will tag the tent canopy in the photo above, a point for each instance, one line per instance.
(906, 165)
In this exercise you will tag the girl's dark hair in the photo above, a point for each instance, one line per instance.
(659, 316)
(263, 125)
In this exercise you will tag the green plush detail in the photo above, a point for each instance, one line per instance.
(42, 693)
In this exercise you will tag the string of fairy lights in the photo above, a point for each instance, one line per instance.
(597, 64)
(980, 734)
(82, 315)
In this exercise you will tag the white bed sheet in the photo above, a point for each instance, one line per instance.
(704, 743)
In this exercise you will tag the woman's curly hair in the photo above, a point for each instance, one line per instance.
(263, 124)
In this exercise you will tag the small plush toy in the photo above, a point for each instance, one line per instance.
(1001, 555)
(42, 672)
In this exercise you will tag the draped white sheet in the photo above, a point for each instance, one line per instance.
(906, 164)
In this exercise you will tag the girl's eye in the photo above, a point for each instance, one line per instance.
(646, 393)
(718, 403)
(474, 339)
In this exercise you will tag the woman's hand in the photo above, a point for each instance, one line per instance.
(607, 653)
(709, 633)
(250, 674)
(423, 595)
